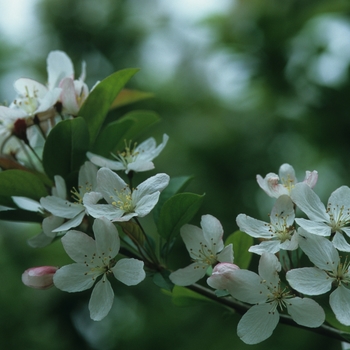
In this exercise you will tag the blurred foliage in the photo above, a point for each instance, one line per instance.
(240, 91)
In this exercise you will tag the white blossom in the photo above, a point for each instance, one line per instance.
(205, 247)
(94, 258)
(325, 221)
(136, 159)
(278, 234)
(270, 184)
(123, 202)
(329, 271)
(267, 295)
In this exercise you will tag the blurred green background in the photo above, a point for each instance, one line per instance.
(242, 87)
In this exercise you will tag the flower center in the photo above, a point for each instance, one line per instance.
(28, 103)
(204, 255)
(339, 216)
(280, 229)
(124, 201)
(129, 155)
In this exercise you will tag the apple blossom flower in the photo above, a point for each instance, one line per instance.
(267, 294)
(278, 234)
(270, 184)
(76, 211)
(325, 221)
(205, 247)
(137, 159)
(94, 258)
(124, 203)
(40, 277)
(328, 272)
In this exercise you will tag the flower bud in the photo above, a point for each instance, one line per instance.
(40, 277)
(221, 275)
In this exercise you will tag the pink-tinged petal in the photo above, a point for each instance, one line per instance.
(101, 300)
(74, 222)
(311, 178)
(308, 201)
(156, 183)
(253, 227)
(129, 271)
(79, 246)
(222, 275)
(306, 312)
(340, 243)
(106, 238)
(212, 232)
(226, 255)
(272, 247)
(314, 227)
(257, 324)
(188, 275)
(309, 280)
(247, 286)
(104, 162)
(40, 277)
(339, 302)
(59, 66)
(269, 266)
(271, 186)
(319, 250)
(74, 278)
(68, 97)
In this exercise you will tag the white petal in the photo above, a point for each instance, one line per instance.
(192, 237)
(74, 222)
(60, 189)
(59, 66)
(257, 324)
(129, 271)
(315, 227)
(153, 184)
(73, 278)
(222, 275)
(79, 246)
(104, 162)
(269, 266)
(106, 238)
(287, 174)
(247, 286)
(68, 96)
(226, 255)
(340, 197)
(305, 312)
(39, 241)
(24, 86)
(308, 201)
(339, 302)
(87, 178)
(27, 204)
(212, 232)
(271, 186)
(188, 275)
(146, 203)
(50, 223)
(340, 243)
(266, 247)
(309, 280)
(283, 211)
(311, 178)
(319, 250)
(60, 207)
(109, 183)
(253, 227)
(140, 165)
(101, 300)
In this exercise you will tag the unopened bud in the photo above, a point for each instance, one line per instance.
(221, 275)
(40, 277)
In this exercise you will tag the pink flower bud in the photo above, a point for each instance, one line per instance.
(40, 277)
(221, 276)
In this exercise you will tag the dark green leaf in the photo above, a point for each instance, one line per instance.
(127, 96)
(177, 211)
(133, 231)
(99, 101)
(176, 185)
(20, 215)
(21, 183)
(161, 279)
(241, 243)
(65, 148)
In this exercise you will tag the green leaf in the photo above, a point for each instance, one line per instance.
(21, 183)
(65, 148)
(241, 243)
(127, 96)
(182, 296)
(176, 185)
(100, 99)
(177, 211)
(161, 279)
